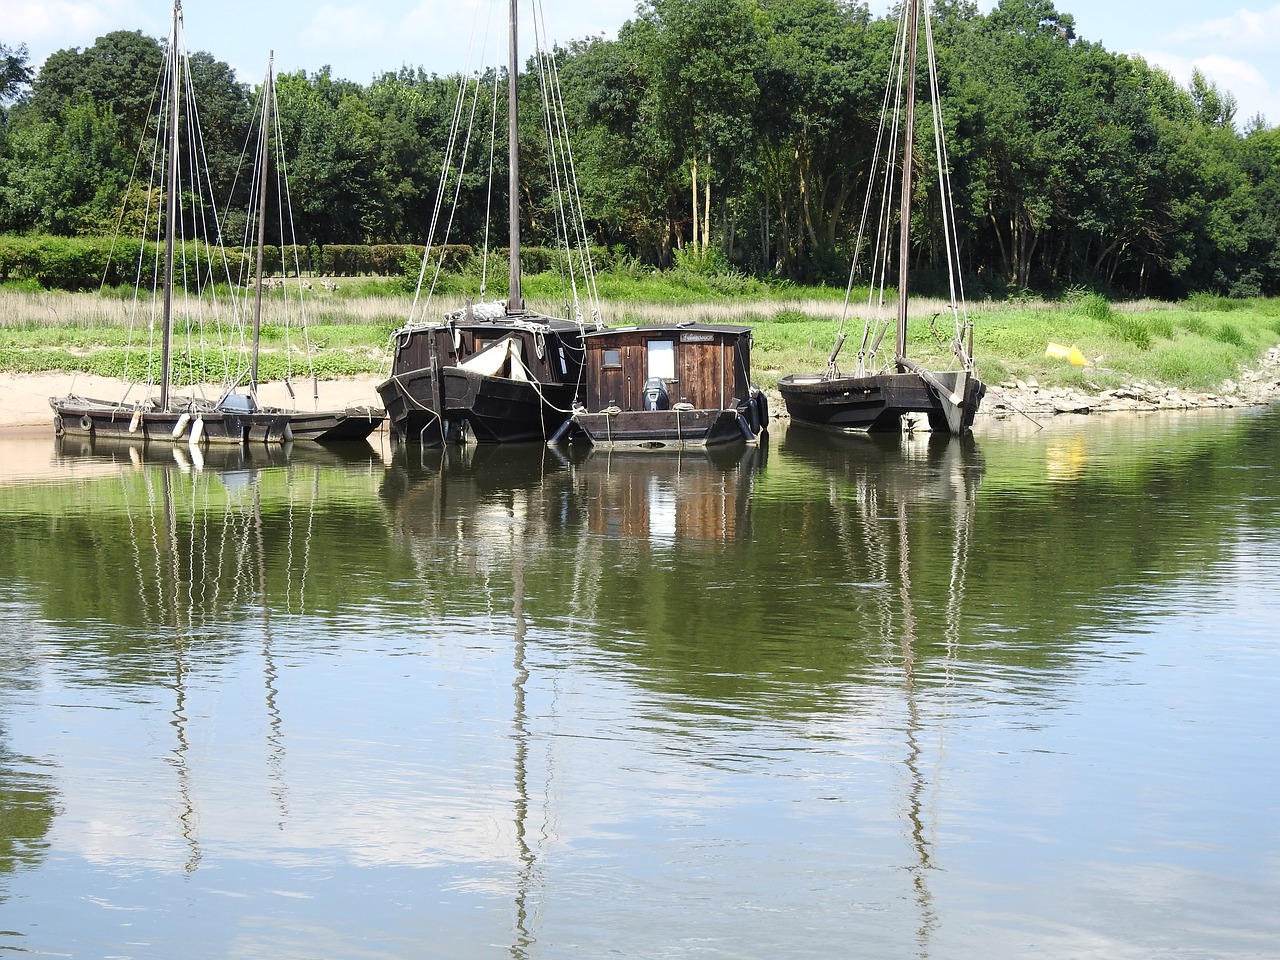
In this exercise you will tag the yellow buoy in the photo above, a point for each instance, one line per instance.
(1071, 354)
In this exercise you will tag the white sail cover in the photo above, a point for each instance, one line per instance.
(492, 361)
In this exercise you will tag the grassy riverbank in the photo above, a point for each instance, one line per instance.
(1193, 345)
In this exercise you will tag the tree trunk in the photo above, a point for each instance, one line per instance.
(693, 177)
(706, 207)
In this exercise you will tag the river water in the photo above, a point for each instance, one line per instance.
(837, 697)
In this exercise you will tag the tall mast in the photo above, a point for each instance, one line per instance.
(263, 159)
(515, 300)
(171, 210)
(908, 147)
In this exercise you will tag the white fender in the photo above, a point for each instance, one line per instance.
(197, 431)
(181, 426)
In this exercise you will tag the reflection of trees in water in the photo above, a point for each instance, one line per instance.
(872, 509)
(27, 809)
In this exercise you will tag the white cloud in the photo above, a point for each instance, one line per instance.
(49, 25)
(1253, 91)
(1244, 29)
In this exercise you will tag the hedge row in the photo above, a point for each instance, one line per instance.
(85, 263)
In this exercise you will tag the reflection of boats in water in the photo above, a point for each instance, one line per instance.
(909, 467)
(438, 495)
(482, 523)
(693, 496)
(220, 457)
(194, 569)
(875, 483)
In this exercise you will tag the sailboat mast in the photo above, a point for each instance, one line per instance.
(515, 299)
(171, 210)
(263, 159)
(908, 148)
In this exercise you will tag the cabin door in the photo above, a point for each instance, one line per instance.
(660, 365)
(662, 360)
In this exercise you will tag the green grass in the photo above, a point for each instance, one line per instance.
(1194, 345)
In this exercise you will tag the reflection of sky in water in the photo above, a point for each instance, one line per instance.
(391, 771)
(661, 498)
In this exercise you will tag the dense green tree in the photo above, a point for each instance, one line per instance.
(1018, 82)
(699, 60)
(414, 112)
(822, 84)
(121, 69)
(634, 182)
(328, 138)
(15, 71)
(1259, 157)
(63, 174)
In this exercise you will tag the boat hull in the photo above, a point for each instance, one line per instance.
(415, 406)
(664, 429)
(438, 386)
(85, 417)
(333, 426)
(878, 402)
(504, 410)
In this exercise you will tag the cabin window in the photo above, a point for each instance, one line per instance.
(662, 359)
(611, 358)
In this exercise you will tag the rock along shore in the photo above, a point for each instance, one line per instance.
(1253, 388)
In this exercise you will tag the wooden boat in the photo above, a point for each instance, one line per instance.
(493, 372)
(668, 385)
(497, 375)
(235, 416)
(878, 397)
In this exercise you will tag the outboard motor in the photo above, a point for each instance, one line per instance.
(655, 395)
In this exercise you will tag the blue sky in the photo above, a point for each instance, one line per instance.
(1237, 45)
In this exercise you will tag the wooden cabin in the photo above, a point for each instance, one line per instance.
(667, 385)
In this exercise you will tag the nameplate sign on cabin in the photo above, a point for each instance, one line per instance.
(697, 337)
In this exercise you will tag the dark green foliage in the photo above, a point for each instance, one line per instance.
(1132, 328)
(345, 260)
(790, 316)
(15, 71)
(1229, 333)
(1073, 166)
(1095, 306)
(62, 263)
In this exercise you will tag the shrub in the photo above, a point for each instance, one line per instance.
(789, 315)
(388, 259)
(1229, 333)
(1131, 329)
(1095, 306)
(345, 260)
(1206, 302)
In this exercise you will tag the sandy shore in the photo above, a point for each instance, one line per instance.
(24, 397)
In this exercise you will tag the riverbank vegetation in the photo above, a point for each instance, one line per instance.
(1193, 344)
